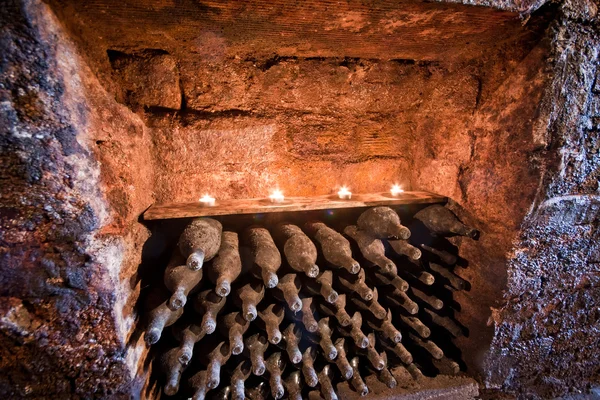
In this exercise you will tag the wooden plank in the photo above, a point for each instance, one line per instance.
(259, 206)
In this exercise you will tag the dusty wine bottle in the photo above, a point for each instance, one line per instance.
(180, 280)
(357, 382)
(260, 391)
(238, 378)
(292, 335)
(400, 299)
(385, 326)
(247, 297)
(188, 337)
(308, 318)
(415, 372)
(441, 221)
(372, 306)
(233, 325)
(256, 346)
(446, 323)
(324, 339)
(337, 310)
(335, 247)
(372, 355)
(275, 366)
(394, 280)
(371, 248)
(384, 375)
(446, 366)
(403, 248)
(266, 256)
(288, 289)
(341, 361)
(172, 369)
(431, 301)
(325, 280)
(399, 350)
(353, 331)
(454, 280)
(270, 318)
(383, 223)
(428, 345)
(292, 384)
(209, 304)
(308, 369)
(227, 265)
(356, 284)
(159, 318)
(300, 252)
(200, 241)
(444, 256)
(198, 384)
(325, 379)
(416, 325)
(217, 356)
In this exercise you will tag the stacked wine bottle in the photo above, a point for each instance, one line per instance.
(283, 311)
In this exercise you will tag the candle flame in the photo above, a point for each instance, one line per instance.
(396, 190)
(276, 195)
(344, 190)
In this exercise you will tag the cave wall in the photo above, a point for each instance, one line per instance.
(69, 235)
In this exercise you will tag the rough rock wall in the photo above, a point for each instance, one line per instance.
(547, 333)
(67, 229)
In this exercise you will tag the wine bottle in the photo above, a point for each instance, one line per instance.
(335, 247)
(353, 331)
(356, 284)
(275, 366)
(308, 318)
(372, 306)
(416, 325)
(292, 384)
(357, 382)
(383, 223)
(172, 369)
(209, 304)
(371, 248)
(238, 378)
(337, 310)
(454, 280)
(159, 318)
(188, 336)
(392, 280)
(415, 372)
(324, 339)
(180, 280)
(308, 369)
(444, 256)
(441, 221)
(399, 299)
(431, 301)
(270, 319)
(325, 282)
(227, 265)
(372, 355)
(222, 394)
(200, 241)
(403, 248)
(260, 391)
(446, 323)
(198, 383)
(247, 297)
(292, 335)
(288, 289)
(256, 346)
(300, 252)
(341, 361)
(217, 356)
(325, 379)
(233, 325)
(428, 345)
(385, 326)
(399, 350)
(446, 366)
(384, 375)
(266, 256)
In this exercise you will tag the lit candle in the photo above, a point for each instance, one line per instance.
(276, 196)
(207, 201)
(396, 190)
(344, 193)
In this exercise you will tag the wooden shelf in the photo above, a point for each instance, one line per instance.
(259, 206)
